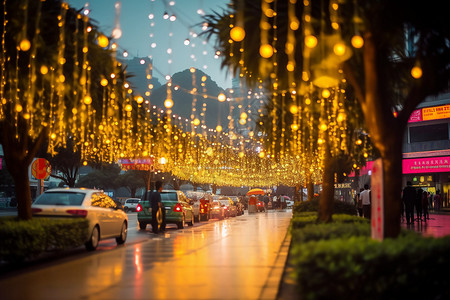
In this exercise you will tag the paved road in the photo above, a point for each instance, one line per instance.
(238, 258)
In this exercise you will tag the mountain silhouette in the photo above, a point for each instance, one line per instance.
(183, 94)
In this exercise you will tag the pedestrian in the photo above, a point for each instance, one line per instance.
(430, 201)
(437, 201)
(365, 199)
(409, 196)
(426, 215)
(418, 204)
(266, 203)
(359, 202)
(156, 203)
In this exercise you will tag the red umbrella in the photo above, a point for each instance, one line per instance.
(255, 192)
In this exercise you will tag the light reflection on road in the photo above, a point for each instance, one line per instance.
(228, 259)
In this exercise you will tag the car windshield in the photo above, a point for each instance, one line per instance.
(168, 196)
(60, 198)
(225, 202)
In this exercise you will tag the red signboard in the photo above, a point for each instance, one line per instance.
(40, 168)
(430, 113)
(142, 164)
(416, 116)
(426, 165)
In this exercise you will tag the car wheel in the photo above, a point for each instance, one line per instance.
(142, 225)
(92, 244)
(191, 223)
(125, 209)
(123, 234)
(181, 224)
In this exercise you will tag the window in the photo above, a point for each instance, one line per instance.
(102, 200)
(436, 132)
(60, 198)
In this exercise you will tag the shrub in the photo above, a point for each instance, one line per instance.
(315, 232)
(339, 207)
(302, 219)
(410, 266)
(26, 239)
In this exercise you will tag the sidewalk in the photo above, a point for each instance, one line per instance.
(237, 258)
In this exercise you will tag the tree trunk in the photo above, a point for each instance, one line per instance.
(19, 153)
(309, 187)
(22, 188)
(392, 181)
(327, 196)
(133, 192)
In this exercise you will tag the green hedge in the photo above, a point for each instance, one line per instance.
(410, 266)
(339, 207)
(315, 232)
(22, 240)
(300, 220)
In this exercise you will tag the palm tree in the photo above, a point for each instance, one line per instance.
(379, 72)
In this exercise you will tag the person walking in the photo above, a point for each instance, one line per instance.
(409, 196)
(437, 201)
(426, 215)
(155, 201)
(359, 203)
(365, 199)
(418, 204)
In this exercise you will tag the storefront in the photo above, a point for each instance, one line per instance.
(432, 174)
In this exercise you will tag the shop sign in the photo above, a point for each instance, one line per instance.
(430, 113)
(346, 185)
(436, 113)
(141, 164)
(426, 165)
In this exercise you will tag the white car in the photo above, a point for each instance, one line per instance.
(131, 204)
(106, 218)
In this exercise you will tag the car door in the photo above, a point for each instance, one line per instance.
(107, 218)
(187, 208)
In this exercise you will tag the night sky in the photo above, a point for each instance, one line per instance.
(136, 30)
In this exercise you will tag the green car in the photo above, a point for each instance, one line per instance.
(178, 209)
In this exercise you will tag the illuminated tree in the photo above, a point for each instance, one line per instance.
(55, 75)
(399, 55)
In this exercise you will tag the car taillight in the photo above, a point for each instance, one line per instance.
(36, 210)
(177, 207)
(138, 208)
(77, 212)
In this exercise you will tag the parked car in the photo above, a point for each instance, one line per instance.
(260, 206)
(218, 209)
(239, 205)
(230, 208)
(106, 219)
(178, 209)
(201, 204)
(289, 203)
(131, 204)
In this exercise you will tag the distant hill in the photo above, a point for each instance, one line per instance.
(216, 112)
(138, 74)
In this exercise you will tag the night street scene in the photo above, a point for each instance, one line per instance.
(224, 149)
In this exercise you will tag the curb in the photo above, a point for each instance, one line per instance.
(273, 282)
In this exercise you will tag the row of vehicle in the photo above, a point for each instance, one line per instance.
(182, 209)
(107, 218)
